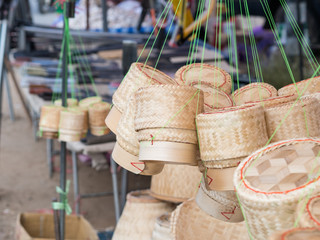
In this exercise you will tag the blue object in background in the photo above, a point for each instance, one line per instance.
(106, 235)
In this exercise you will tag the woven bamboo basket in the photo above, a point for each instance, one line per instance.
(271, 182)
(49, 121)
(297, 234)
(304, 87)
(254, 92)
(164, 120)
(139, 75)
(161, 229)
(126, 150)
(85, 121)
(139, 216)
(176, 183)
(71, 125)
(97, 114)
(204, 74)
(297, 119)
(308, 212)
(226, 135)
(86, 102)
(274, 101)
(189, 222)
(222, 205)
(71, 102)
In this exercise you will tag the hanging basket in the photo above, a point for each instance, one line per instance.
(301, 121)
(271, 182)
(165, 122)
(222, 205)
(85, 121)
(308, 212)
(254, 92)
(97, 114)
(204, 75)
(304, 87)
(86, 102)
(161, 229)
(189, 222)
(71, 102)
(49, 121)
(228, 134)
(126, 150)
(71, 125)
(139, 75)
(139, 216)
(176, 183)
(297, 234)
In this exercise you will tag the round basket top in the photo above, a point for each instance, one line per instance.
(86, 102)
(223, 112)
(274, 101)
(282, 167)
(70, 102)
(100, 106)
(313, 209)
(151, 73)
(301, 234)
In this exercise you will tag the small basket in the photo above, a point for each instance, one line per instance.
(222, 205)
(161, 229)
(49, 121)
(304, 87)
(204, 74)
(166, 114)
(308, 212)
(176, 183)
(85, 121)
(297, 234)
(139, 216)
(126, 150)
(231, 133)
(86, 102)
(139, 75)
(189, 222)
(254, 92)
(97, 114)
(71, 102)
(298, 119)
(71, 125)
(271, 182)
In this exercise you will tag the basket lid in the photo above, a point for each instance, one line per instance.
(297, 234)
(86, 102)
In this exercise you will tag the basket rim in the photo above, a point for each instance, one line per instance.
(288, 232)
(272, 98)
(301, 82)
(263, 85)
(231, 109)
(309, 211)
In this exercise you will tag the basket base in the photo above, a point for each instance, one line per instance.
(69, 137)
(229, 213)
(220, 179)
(113, 119)
(168, 152)
(131, 162)
(99, 131)
(49, 135)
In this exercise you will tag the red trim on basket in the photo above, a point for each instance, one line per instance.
(285, 234)
(231, 213)
(309, 212)
(308, 79)
(155, 70)
(134, 164)
(151, 139)
(271, 99)
(252, 85)
(265, 149)
(210, 180)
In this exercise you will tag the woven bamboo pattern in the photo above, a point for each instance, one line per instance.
(297, 234)
(139, 216)
(304, 87)
(97, 113)
(161, 229)
(204, 74)
(254, 92)
(71, 125)
(139, 75)
(275, 101)
(189, 222)
(225, 163)
(167, 106)
(71, 102)
(86, 102)
(302, 121)
(222, 205)
(308, 212)
(271, 182)
(49, 118)
(231, 132)
(86, 118)
(176, 183)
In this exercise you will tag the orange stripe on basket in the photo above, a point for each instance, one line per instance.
(242, 177)
(229, 213)
(309, 212)
(294, 230)
(134, 164)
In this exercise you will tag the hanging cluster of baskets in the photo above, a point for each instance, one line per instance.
(226, 156)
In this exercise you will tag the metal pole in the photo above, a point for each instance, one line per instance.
(115, 188)
(3, 38)
(300, 47)
(104, 15)
(9, 97)
(75, 182)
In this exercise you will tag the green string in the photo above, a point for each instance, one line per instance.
(64, 203)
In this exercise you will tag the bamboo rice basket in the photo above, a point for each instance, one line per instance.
(97, 114)
(85, 121)
(304, 87)
(86, 102)
(71, 125)
(49, 121)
